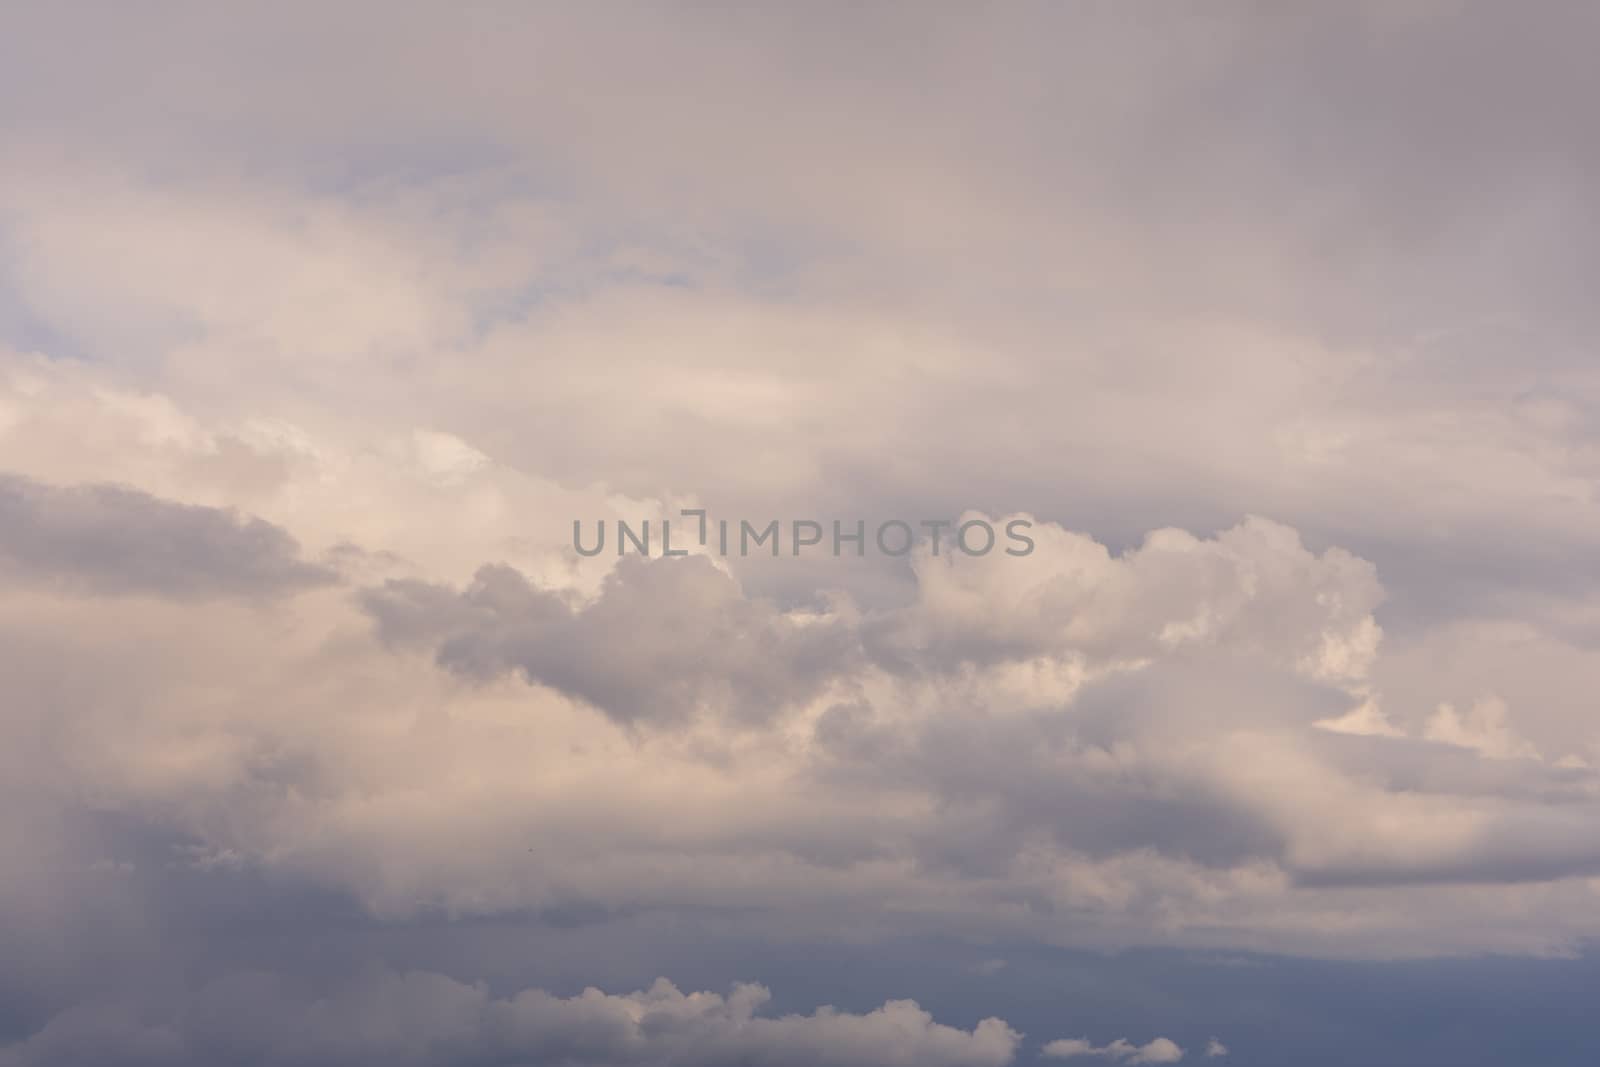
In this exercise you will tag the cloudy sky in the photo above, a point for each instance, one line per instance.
(320, 326)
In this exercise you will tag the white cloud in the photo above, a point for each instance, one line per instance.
(1160, 1050)
(419, 1018)
(1485, 728)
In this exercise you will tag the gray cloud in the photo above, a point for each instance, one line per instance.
(664, 639)
(1090, 777)
(112, 540)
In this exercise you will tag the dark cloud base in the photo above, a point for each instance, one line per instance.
(112, 540)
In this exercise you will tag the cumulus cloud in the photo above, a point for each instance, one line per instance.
(662, 640)
(1485, 728)
(1254, 586)
(1160, 1050)
(1180, 793)
(420, 1018)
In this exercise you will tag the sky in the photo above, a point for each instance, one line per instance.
(322, 325)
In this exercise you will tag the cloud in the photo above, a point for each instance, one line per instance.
(1160, 1050)
(663, 640)
(1176, 792)
(110, 540)
(419, 1018)
(1254, 586)
(1484, 729)
(1278, 328)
